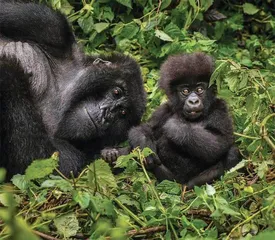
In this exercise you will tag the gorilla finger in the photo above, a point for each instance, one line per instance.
(106, 155)
(150, 162)
(114, 155)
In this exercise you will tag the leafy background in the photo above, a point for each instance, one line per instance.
(132, 205)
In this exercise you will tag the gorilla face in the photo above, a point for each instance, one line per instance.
(192, 98)
(102, 102)
(94, 116)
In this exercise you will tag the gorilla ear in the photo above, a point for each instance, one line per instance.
(180, 68)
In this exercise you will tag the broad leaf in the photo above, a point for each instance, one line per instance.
(250, 9)
(67, 225)
(163, 36)
(41, 168)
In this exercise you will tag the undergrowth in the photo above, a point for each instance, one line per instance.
(98, 204)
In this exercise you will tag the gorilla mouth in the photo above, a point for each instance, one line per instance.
(194, 114)
(91, 119)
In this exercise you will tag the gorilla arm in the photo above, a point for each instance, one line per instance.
(29, 22)
(207, 139)
(143, 136)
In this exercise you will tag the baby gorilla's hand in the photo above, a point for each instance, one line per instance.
(152, 161)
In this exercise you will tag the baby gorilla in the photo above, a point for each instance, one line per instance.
(192, 133)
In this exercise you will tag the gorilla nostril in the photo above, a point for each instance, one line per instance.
(193, 101)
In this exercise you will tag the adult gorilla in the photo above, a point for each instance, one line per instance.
(54, 98)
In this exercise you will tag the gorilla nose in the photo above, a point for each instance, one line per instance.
(193, 101)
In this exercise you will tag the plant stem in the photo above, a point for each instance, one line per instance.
(246, 136)
(135, 217)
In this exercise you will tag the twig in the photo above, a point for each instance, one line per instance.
(200, 212)
(147, 230)
(255, 179)
(143, 231)
(45, 236)
(184, 187)
(159, 5)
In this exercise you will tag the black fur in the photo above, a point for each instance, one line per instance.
(191, 134)
(54, 98)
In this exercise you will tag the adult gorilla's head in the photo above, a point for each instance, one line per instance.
(104, 100)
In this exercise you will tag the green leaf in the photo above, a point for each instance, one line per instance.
(127, 200)
(169, 187)
(65, 7)
(147, 151)
(253, 145)
(22, 230)
(60, 183)
(174, 31)
(82, 198)
(165, 4)
(127, 3)
(99, 27)
(249, 104)
(4, 200)
(123, 160)
(103, 206)
(20, 181)
(206, 4)
(67, 225)
(107, 13)
(250, 9)
(129, 31)
(100, 176)
(41, 168)
(262, 169)
(206, 42)
(265, 235)
(223, 205)
(199, 191)
(229, 211)
(199, 224)
(86, 23)
(163, 36)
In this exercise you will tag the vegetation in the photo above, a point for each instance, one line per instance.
(131, 205)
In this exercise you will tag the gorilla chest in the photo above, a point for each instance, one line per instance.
(178, 160)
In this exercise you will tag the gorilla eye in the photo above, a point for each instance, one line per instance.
(199, 90)
(185, 91)
(123, 112)
(117, 92)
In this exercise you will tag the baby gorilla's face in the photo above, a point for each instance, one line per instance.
(192, 99)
